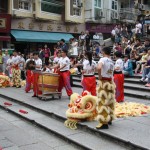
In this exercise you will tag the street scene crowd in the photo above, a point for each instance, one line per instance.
(85, 56)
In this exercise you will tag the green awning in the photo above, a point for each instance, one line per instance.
(34, 36)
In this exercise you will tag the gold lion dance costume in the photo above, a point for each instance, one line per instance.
(106, 90)
(80, 108)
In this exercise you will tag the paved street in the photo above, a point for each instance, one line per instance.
(135, 130)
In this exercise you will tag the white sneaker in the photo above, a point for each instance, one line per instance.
(142, 79)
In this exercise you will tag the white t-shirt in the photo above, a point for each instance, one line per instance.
(56, 60)
(89, 69)
(16, 59)
(64, 61)
(75, 50)
(107, 67)
(38, 62)
(82, 37)
(138, 28)
(21, 65)
(96, 37)
(119, 63)
(9, 61)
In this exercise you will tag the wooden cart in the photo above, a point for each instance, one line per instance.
(48, 85)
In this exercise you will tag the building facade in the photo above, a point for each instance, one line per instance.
(5, 25)
(63, 17)
(103, 15)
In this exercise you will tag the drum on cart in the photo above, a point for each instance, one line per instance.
(48, 84)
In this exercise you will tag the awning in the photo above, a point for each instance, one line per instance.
(5, 38)
(34, 36)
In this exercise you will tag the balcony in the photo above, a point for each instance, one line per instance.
(129, 14)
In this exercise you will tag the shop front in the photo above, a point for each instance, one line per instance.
(105, 29)
(5, 26)
(27, 34)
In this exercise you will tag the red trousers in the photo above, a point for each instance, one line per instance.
(35, 84)
(89, 84)
(29, 80)
(64, 81)
(119, 81)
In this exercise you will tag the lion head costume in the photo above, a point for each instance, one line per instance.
(80, 108)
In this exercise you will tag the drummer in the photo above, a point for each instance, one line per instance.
(38, 67)
(63, 68)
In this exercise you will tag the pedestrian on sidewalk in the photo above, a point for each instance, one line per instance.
(119, 77)
(5, 58)
(106, 90)
(63, 68)
(1, 62)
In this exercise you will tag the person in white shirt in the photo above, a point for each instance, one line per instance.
(106, 90)
(81, 39)
(96, 36)
(9, 64)
(138, 29)
(119, 77)
(38, 67)
(89, 80)
(63, 67)
(75, 48)
(16, 72)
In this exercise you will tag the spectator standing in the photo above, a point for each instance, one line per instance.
(138, 29)
(41, 54)
(1, 61)
(87, 41)
(74, 48)
(81, 39)
(22, 67)
(9, 66)
(47, 54)
(5, 58)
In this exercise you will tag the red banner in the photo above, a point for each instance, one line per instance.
(5, 23)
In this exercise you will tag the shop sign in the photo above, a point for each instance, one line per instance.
(52, 26)
(5, 23)
(99, 28)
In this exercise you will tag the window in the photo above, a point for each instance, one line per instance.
(97, 3)
(114, 4)
(77, 12)
(75, 2)
(52, 6)
(24, 5)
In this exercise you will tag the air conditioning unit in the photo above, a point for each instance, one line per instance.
(114, 15)
(141, 6)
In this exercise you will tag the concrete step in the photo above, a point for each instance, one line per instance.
(80, 138)
(122, 131)
(140, 93)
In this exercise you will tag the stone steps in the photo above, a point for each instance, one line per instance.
(133, 87)
(81, 138)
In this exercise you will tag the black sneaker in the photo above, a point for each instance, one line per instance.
(18, 86)
(104, 126)
(110, 123)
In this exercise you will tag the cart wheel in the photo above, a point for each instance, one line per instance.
(59, 97)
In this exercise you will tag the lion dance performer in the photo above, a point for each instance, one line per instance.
(106, 90)
(119, 77)
(89, 80)
(30, 65)
(16, 72)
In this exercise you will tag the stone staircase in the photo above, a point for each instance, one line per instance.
(133, 87)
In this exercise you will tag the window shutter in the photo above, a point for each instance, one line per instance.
(16, 4)
(71, 7)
